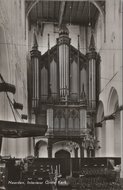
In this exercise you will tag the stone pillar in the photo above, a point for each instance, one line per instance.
(99, 136)
(12, 147)
(0, 144)
(110, 138)
(49, 149)
(81, 151)
(22, 147)
(85, 153)
(50, 121)
(121, 124)
(76, 152)
(83, 119)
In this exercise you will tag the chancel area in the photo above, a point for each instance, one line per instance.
(61, 90)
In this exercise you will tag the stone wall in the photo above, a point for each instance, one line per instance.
(13, 68)
(109, 44)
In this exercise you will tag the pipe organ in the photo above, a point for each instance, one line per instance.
(65, 87)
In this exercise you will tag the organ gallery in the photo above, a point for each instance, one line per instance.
(64, 87)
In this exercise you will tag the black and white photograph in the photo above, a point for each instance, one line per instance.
(61, 95)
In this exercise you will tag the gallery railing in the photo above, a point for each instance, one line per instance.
(69, 132)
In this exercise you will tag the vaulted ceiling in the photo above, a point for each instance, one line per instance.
(67, 12)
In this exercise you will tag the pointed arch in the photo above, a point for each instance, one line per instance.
(100, 112)
(115, 129)
(101, 131)
(113, 101)
(41, 149)
(62, 154)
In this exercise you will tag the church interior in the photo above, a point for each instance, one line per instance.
(61, 95)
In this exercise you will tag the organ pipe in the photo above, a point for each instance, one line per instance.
(35, 56)
(78, 67)
(92, 56)
(63, 44)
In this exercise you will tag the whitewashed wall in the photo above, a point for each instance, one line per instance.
(13, 68)
(110, 49)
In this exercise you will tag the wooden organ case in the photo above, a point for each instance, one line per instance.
(64, 88)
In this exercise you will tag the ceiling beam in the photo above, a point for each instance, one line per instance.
(62, 8)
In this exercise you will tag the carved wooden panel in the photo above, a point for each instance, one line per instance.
(66, 119)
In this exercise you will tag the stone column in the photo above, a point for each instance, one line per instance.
(50, 121)
(49, 149)
(110, 138)
(83, 120)
(81, 152)
(99, 136)
(0, 144)
(121, 124)
(76, 152)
